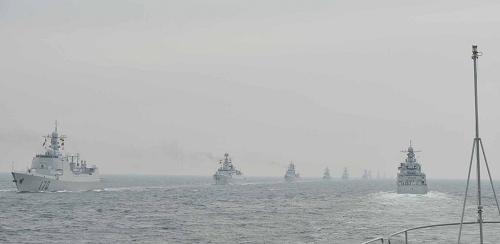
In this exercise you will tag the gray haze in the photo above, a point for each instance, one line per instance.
(167, 87)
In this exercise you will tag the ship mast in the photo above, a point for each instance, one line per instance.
(476, 146)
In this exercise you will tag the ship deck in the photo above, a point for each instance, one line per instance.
(403, 236)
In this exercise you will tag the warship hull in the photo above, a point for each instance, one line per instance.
(412, 189)
(36, 183)
(290, 178)
(222, 179)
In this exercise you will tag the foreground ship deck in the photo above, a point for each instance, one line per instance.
(54, 171)
(405, 236)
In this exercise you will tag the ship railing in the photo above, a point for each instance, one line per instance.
(406, 232)
(375, 240)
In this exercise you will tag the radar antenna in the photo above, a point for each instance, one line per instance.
(476, 146)
(411, 146)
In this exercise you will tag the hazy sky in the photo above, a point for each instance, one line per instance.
(167, 87)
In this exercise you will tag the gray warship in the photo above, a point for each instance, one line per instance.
(54, 170)
(411, 179)
(290, 174)
(226, 171)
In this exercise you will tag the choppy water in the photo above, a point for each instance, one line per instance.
(172, 209)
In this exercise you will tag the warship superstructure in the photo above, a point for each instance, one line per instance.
(345, 175)
(326, 174)
(290, 174)
(226, 171)
(55, 171)
(411, 179)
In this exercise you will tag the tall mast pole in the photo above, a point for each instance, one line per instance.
(478, 144)
(475, 56)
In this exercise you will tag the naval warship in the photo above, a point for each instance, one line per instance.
(411, 179)
(55, 171)
(326, 174)
(290, 174)
(367, 175)
(226, 171)
(345, 175)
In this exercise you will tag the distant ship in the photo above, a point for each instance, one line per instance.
(345, 175)
(290, 174)
(226, 171)
(326, 174)
(367, 175)
(411, 179)
(55, 171)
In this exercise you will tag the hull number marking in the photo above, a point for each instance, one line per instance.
(44, 185)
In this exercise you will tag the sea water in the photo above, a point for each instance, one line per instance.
(182, 209)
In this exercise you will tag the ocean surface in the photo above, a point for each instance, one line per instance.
(175, 209)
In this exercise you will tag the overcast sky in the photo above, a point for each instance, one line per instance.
(167, 87)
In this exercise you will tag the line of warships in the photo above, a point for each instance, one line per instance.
(410, 178)
(54, 170)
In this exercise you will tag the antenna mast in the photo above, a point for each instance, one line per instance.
(475, 149)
